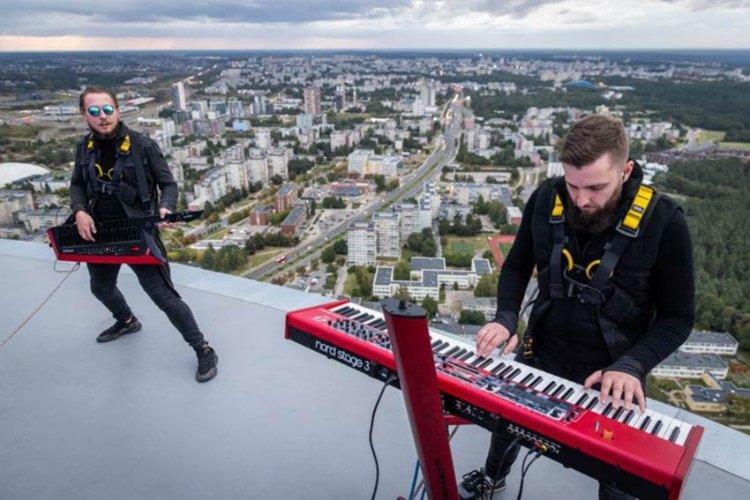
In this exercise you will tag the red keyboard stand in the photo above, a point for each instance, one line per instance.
(407, 327)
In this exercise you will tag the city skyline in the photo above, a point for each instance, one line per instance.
(47, 25)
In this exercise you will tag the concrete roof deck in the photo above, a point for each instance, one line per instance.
(125, 420)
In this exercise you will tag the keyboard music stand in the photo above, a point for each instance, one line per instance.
(410, 338)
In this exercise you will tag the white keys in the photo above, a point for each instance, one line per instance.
(539, 379)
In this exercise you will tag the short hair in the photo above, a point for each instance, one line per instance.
(593, 136)
(96, 90)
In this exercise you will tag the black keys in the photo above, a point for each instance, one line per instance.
(487, 362)
(607, 409)
(645, 423)
(452, 351)
(497, 369)
(628, 417)
(582, 399)
(441, 347)
(656, 428)
(619, 412)
(466, 356)
(557, 391)
(536, 381)
(567, 394)
(592, 403)
(674, 434)
(526, 379)
(549, 387)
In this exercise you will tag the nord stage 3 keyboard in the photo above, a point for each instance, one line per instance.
(121, 241)
(645, 454)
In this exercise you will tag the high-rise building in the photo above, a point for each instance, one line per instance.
(339, 100)
(387, 241)
(278, 163)
(360, 241)
(410, 220)
(257, 168)
(427, 93)
(312, 100)
(168, 127)
(234, 106)
(180, 96)
(263, 138)
(260, 105)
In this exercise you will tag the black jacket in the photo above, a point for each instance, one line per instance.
(656, 272)
(157, 174)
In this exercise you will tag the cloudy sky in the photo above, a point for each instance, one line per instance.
(372, 24)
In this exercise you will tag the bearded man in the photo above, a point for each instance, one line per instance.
(615, 277)
(120, 173)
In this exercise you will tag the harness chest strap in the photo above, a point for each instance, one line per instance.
(123, 151)
(629, 228)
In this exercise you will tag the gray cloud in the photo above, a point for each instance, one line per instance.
(698, 5)
(224, 19)
(53, 17)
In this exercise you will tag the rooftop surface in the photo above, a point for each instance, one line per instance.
(125, 420)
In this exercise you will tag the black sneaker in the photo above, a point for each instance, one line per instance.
(119, 329)
(207, 361)
(477, 485)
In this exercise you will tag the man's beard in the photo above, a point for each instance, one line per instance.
(597, 222)
(107, 137)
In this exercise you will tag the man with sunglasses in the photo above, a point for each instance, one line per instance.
(616, 288)
(105, 185)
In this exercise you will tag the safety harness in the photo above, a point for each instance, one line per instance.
(111, 185)
(587, 283)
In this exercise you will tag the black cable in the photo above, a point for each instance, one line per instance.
(512, 445)
(525, 468)
(388, 382)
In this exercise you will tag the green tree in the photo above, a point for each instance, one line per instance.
(430, 305)
(207, 261)
(402, 271)
(340, 247)
(328, 255)
(472, 318)
(487, 286)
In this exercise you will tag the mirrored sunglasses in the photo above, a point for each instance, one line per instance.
(108, 109)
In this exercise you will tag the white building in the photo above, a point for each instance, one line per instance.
(278, 163)
(426, 277)
(257, 168)
(13, 201)
(235, 109)
(236, 174)
(721, 343)
(360, 240)
(357, 161)
(263, 138)
(386, 165)
(339, 139)
(687, 365)
(168, 127)
(388, 243)
(410, 220)
(180, 96)
(212, 185)
(554, 169)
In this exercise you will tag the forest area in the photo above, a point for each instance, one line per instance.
(717, 206)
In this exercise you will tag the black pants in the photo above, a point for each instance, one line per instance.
(155, 282)
(500, 443)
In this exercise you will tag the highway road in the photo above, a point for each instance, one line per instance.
(444, 152)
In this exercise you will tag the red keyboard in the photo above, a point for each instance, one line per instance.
(122, 241)
(645, 454)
